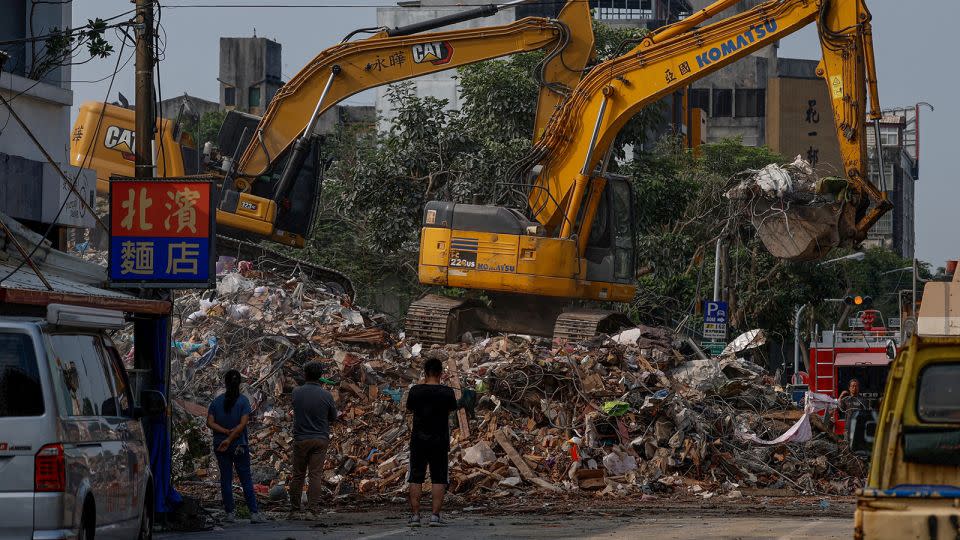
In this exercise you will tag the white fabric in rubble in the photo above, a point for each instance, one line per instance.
(801, 430)
(234, 283)
(774, 180)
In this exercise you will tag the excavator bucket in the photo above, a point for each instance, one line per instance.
(804, 233)
(798, 215)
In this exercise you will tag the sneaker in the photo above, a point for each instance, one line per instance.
(257, 517)
(231, 517)
(437, 521)
(414, 521)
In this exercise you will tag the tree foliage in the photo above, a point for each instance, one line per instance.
(208, 127)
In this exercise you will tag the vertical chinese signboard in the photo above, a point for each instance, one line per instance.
(161, 233)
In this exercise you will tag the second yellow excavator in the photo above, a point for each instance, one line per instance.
(269, 183)
(580, 243)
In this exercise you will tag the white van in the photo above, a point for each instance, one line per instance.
(73, 457)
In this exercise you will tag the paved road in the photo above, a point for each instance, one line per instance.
(466, 527)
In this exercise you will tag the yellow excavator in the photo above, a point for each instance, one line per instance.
(270, 183)
(580, 243)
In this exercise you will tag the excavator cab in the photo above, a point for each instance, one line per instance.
(611, 250)
(513, 254)
(296, 209)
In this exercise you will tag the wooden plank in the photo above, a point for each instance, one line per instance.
(525, 471)
(461, 413)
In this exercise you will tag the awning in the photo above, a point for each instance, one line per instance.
(862, 359)
(71, 279)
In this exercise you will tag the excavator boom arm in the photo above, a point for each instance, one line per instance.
(352, 67)
(564, 193)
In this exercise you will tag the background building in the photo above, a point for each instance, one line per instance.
(250, 73)
(799, 117)
(900, 147)
(38, 89)
(186, 104)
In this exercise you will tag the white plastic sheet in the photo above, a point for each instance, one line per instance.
(801, 430)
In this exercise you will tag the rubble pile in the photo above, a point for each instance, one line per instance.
(638, 415)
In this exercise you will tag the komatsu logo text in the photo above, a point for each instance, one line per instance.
(436, 52)
(745, 39)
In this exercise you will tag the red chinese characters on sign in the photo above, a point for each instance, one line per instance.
(160, 209)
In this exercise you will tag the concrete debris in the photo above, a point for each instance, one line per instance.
(479, 454)
(746, 341)
(633, 416)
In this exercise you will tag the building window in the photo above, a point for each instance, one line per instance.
(883, 227)
(750, 103)
(230, 96)
(699, 98)
(722, 103)
(889, 136)
(888, 174)
(622, 9)
(253, 96)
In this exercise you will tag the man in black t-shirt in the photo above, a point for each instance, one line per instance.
(431, 404)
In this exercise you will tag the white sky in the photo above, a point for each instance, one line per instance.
(914, 62)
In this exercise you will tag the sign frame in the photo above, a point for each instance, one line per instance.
(711, 346)
(715, 327)
(139, 283)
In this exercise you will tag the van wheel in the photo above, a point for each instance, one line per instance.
(146, 522)
(87, 524)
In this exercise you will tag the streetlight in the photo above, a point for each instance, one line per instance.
(858, 256)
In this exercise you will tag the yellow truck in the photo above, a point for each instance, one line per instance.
(913, 487)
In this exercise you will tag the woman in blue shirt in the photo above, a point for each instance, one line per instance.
(227, 417)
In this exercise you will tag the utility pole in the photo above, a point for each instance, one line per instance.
(146, 118)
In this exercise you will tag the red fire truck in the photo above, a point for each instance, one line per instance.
(837, 356)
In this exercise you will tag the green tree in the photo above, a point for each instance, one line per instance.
(208, 127)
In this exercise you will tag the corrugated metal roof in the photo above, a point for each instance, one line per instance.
(74, 280)
(25, 279)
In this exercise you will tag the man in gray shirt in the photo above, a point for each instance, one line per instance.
(313, 412)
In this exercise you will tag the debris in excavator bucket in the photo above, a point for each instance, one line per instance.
(798, 216)
(804, 233)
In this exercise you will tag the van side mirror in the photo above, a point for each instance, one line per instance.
(152, 404)
(891, 349)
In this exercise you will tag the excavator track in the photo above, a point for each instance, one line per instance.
(433, 319)
(436, 319)
(250, 251)
(579, 324)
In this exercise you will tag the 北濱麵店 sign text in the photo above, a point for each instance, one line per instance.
(161, 232)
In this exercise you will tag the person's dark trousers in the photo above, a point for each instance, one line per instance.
(239, 458)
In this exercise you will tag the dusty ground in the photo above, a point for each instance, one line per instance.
(749, 517)
(466, 526)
